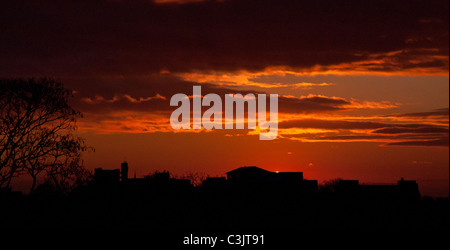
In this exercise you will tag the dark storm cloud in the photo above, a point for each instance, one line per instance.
(419, 130)
(401, 140)
(311, 104)
(404, 134)
(442, 142)
(377, 127)
(327, 124)
(104, 37)
(444, 112)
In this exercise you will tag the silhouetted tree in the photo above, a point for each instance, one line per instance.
(37, 128)
(158, 175)
(196, 178)
(329, 186)
(65, 170)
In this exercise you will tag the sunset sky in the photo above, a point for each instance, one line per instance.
(363, 85)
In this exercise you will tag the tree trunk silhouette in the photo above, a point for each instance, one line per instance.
(33, 185)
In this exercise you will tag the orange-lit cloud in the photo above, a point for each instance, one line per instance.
(351, 78)
(403, 62)
(319, 103)
(309, 118)
(421, 132)
(99, 99)
(244, 78)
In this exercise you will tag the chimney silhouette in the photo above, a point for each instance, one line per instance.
(124, 171)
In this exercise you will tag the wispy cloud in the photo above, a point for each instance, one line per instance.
(243, 78)
(118, 97)
(380, 129)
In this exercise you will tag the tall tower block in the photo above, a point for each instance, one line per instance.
(124, 171)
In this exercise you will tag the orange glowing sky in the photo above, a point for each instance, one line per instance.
(376, 134)
(363, 86)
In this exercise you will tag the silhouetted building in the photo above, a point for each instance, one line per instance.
(255, 178)
(255, 174)
(249, 174)
(160, 181)
(403, 190)
(107, 177)
(409, 189)
(257, 181)
(377, 192)
(124, 171)
(179, 182)
(289, 176)
(347, 186)
(310, 186)
(159, 176)
(214, 183)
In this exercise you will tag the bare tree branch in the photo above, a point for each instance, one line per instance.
(37, 128)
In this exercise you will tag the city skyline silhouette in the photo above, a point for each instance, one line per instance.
(227, 124)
